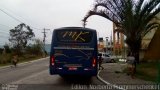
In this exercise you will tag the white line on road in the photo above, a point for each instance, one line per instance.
(28, 78)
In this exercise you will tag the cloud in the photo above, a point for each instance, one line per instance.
(51, 14)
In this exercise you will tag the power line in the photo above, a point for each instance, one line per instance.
(22, 22)
(4, 32)
(11, 16)
(4, 37)
(5, 25)
(21, 18)
(16, 18)
(36, 28)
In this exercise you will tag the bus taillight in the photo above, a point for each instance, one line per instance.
(52, 60)
(94, 62)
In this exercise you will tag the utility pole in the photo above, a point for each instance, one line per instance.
(44, 39)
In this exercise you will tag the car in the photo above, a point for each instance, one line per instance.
(107, 58)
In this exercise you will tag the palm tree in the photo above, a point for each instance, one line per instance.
(133, 18)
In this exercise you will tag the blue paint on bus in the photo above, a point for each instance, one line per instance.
(74, 51)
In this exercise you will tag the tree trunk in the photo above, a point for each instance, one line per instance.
(134, 46)
(136, 55)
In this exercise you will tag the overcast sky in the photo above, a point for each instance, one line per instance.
(49, 14)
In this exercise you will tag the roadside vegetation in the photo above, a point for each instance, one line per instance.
(31, 52)
(19, 38)
(134, 19)
(148, 71)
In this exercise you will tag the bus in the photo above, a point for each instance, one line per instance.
(74, 51)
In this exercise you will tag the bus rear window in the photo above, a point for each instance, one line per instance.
(74, 36)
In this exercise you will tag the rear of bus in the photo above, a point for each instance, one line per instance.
(74, 51)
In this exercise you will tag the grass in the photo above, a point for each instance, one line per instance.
(1, 65)
(22, 59)
(29, 59)
(147, 71)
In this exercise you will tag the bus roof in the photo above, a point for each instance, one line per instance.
(74, 28)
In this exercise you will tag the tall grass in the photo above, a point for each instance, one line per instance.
(147, 71)
(5, 58)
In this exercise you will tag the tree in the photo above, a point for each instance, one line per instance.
(36, 48)
(7, 48)
(133, 18)
(20, 35)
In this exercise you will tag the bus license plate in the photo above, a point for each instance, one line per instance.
(72, 68)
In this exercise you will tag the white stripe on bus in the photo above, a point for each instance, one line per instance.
(73, 48)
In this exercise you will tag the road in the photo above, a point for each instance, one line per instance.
(35, 76)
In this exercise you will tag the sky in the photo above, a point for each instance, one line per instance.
(49, 14)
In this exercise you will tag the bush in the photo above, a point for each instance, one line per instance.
(147, 71)
(1, 50)
(5, 58)
(35, 49)
(29, 53)
(8, 50)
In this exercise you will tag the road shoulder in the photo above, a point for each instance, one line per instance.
(113, 75)
(23, 63)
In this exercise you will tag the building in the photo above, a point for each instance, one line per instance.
(105, 45)
(150, 47)
(119, 47)
(153, 51)
(101, 45)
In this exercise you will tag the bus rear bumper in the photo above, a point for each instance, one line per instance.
(64, 71)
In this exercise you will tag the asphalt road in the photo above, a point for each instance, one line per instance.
(35, 76)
